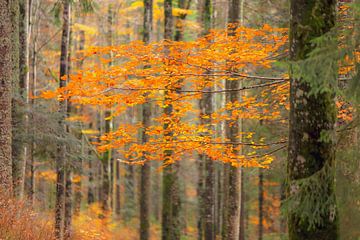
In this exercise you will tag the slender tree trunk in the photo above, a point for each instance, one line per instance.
(61, 147)
(129, 178)
(145, 183)
(232, 205)
(312, 116)
(18, 102)
(107, 156)
(261, 203)
(80, 169)
(30, 169)
(68, 164)
(6, 73)
(68, 204)
(117, 189)
(91, 171)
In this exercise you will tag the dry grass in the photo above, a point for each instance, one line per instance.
(18, 222)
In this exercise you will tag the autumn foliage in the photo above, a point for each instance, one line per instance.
(176, 74)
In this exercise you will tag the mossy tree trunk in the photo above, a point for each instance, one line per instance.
(171, 200)
(312, 119)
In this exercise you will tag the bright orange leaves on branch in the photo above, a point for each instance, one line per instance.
(142, 73)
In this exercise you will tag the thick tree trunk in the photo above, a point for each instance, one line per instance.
(61, 147)
(145, 183)
(6, 74)
(171, 199)
(312, 120)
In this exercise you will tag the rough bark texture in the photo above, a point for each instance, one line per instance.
(68, 164)
(18, 117)
(5, 97)
(206, 108)
(311, 117)
(145, 183)
(171, 199)
(61, 147)
(232, 204)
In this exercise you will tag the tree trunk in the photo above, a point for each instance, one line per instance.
(232, 205)
(129, 178)
(206, 109)
(68, 164)
(6, 73)
(171, 199)
(30, 170)
(18, 102)
(312, 116)
(261, 203)
(61, 147)
(145, 183)
(91, 172)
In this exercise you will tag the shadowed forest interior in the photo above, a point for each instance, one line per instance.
(179, 119)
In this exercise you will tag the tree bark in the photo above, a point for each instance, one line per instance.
(171, 199)
(312, 115)
(61, 147)
(232, 205)
(261, 203)
(145, 183)
(68, 164)
(6, 73)
(206, 109)
(18, 102)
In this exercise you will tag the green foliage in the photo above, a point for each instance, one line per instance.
(336, 48)
(308, 199)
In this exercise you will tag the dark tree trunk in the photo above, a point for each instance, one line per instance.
(61, 147)
(91, 171)
(312, 116)
(261, 203)
(68, 164)
(6, 74)
(145, 183)
(18, 102)
(171, 199)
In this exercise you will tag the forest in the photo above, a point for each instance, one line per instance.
(179, 119)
